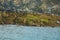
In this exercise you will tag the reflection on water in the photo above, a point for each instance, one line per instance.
(13, 32)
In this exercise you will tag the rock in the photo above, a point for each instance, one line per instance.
(58, 22)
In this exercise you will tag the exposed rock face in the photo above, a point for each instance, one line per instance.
(35, 5)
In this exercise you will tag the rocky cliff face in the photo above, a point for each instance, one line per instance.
(35, 5)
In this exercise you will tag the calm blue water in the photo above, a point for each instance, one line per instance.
(13, 32)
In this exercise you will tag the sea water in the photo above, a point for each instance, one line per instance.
(14, 32)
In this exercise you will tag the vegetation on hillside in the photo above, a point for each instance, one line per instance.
(29, 19)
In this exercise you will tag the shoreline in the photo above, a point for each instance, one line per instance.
(29, 19)
(9, 25)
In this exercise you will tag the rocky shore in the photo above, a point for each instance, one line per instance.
(29, 19)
